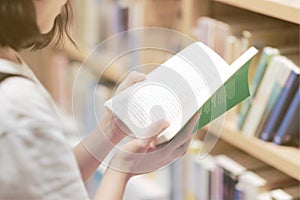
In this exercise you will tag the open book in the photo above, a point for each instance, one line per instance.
(194, 80)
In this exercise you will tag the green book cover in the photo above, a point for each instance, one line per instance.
(234, 91)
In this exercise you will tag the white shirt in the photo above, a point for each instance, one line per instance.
(35, 161)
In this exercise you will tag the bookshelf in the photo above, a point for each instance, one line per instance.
(283, 158)
(288, 10)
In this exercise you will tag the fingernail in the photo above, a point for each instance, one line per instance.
(141, 75)
(153, 145)
(136, 73)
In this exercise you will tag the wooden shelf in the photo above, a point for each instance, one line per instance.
(283, 158)
(288, 10)
(95, 64)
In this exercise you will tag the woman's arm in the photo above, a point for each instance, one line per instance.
(95, 147)
(140, 156)
(112, 185)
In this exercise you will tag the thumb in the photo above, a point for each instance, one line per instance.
(157, 127)
(131, 79)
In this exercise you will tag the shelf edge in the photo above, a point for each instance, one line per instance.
(276, 156)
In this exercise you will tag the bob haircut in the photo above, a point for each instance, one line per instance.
(19, 29)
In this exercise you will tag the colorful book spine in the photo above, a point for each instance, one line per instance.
(279, 85)
(281, 106)
(238, 192)
(277, 70)
(265, 58)
(290, 123)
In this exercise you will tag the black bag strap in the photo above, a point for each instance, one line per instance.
(4, 76)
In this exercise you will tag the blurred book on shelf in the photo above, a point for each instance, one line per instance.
(269, 89)
(263, 180)
(266, 55)
(97, 20)
(86, 25)
(289, 127)
(154, 13)
(227, 174)
(281, 106)
(231, 36)
(287, 193)
(275, 83)
(151, 186)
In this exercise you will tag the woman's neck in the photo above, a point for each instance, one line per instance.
(10, 54)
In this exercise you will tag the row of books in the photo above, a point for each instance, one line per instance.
(232, 35)
(97, 20)
(230, 174)
(225, 174)
(272, 111)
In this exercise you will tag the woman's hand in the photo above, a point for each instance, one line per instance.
(112, 126)
(140, 156)
(95, 147)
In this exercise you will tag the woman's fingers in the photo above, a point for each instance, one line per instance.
(154, 130)
(131, 79)
(141, 145)
(182, 149)
(186, 133)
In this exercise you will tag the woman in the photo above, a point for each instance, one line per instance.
(35, 161)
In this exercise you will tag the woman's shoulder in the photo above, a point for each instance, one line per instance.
(15, 85)
(21, 93)
(34, 149)
(23, 100)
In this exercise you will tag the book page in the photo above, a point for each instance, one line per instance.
(167, 93)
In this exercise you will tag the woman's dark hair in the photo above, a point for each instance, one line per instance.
(19, 29)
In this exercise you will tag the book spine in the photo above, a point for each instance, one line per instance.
(262, 65)
(233, 183)
(210, 184)
(226, 184)
(274, 96)
(218, 183)
(238, 192)
(205, 184)
(190, 190)
(280, 107)
(292, 112)
(276, 71)
(202, 174)
(237, 84)
(177, 180)
(268, 54)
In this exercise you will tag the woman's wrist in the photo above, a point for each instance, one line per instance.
(110, 128)
(119, 181)
(91, 152)
(123, 176)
